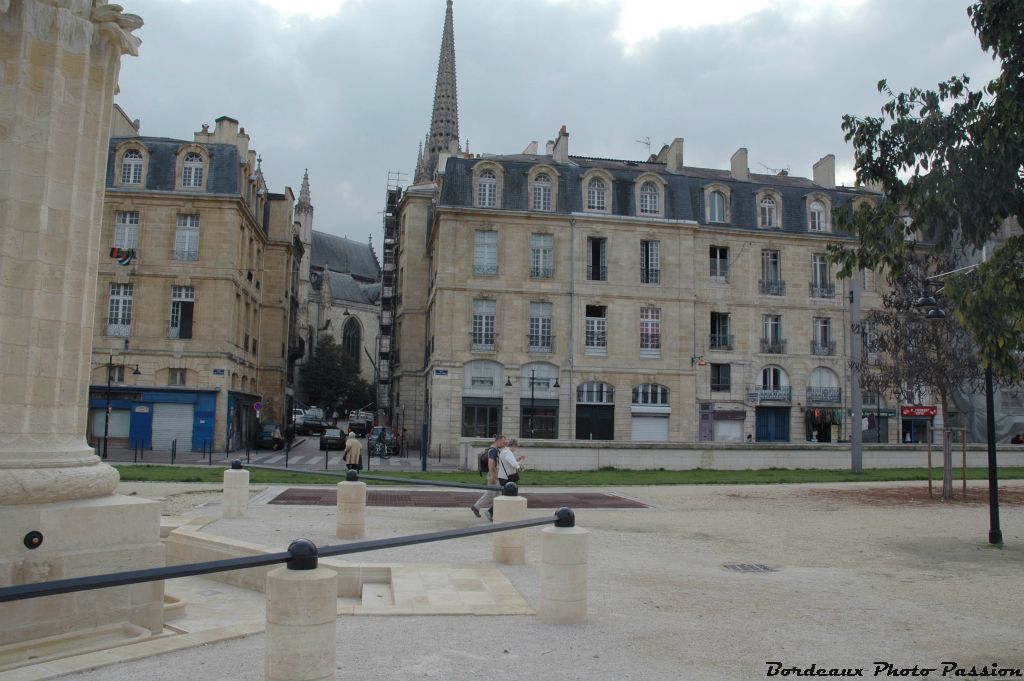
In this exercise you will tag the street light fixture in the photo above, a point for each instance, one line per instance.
(106, 416)
(533, 382)
(995, 534)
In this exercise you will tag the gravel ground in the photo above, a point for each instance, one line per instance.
(850, 583)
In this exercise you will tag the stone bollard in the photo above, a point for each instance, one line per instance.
(510, 546)
(563, 577)
(236, 491)
(302, 613)
(351, 508)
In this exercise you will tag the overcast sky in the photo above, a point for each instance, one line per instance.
(345, 87)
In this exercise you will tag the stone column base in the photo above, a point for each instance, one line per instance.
(79, 538)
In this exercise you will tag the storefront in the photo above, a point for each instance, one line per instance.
(823, 424)
(875, 424)
(153, 418)
(916, 423)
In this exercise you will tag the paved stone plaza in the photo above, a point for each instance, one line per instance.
(848, 583)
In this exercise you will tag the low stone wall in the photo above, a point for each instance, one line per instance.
(587, 456)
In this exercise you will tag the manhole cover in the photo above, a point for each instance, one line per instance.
(749, 567)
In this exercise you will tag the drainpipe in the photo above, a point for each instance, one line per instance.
(572, 315)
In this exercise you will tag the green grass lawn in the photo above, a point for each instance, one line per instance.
(605, 476)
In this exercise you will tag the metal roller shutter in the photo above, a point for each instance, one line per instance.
(172, 422)
(650, 428)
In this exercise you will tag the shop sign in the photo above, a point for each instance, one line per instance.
(919, 411)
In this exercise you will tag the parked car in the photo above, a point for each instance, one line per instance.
(312, 426)
(357, 427)
(265, 438)
(382, 435)
(333, 438)
(298, 415)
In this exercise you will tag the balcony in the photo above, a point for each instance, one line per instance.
(385, 343)
(485, 270)
(824, 349)
(389, 267)
(781, 394)
(121, 329)
(540, 343)
(386, 317)
(542, 272)
(188, 254)
(817, 394)
(773, 346)
(650, 276)
(820, 290)
(721, 341)
(387, 292)
(483, 342)
(772, 287)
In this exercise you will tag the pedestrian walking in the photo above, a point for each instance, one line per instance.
(509, 464)
(353, 453)
(486, 500)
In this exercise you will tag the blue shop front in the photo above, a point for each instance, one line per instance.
(155, 418)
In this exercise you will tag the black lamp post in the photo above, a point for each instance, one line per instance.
(106, 416)
(995, 534)
(533, 402)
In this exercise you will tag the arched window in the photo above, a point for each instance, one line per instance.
(542, 192)
(773, 378)
(769, 217)
(648, 198)
(131, 167)
(818, 217)
(716, 207)
(487, 189)
(823, 386)
(192, 171)
(595, 392)
(596, 195)
(351, 341)
(650, 393)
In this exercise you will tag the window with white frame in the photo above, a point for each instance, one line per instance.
(650, 331)
(773, 378)
(542, 248)
(597, 195)
(650, 262)
(119, 310)
(487, 189)
(116, 373)
(126, 229)
(821, 279)
(818, 217)
(649, 198)
(596, 330)
(650, 393)
(175, 377)
(186, 238)
(595, 392)
(768, 213)
(485, 252)
(192, 170)
(716, 207)
(131, 167)
(182, 308)
(542, 192)
(540, 327)
(484, 312)
(821, 340)
(597, 258)
(719, 259)
(771, 334)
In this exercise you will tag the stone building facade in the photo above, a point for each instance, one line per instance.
(197, 288)
(545, 295)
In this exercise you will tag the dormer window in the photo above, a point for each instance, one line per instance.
(716, 207)
(487, 189)
(769, 213)
(131, 167)
(542, 192)
(596, 195)
(817, 216)
(192, 171)
(649, 198)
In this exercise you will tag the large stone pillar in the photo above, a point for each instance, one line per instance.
(59, 63)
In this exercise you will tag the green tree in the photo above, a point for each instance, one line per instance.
(950, 163)
(910, 353)
(329, 379)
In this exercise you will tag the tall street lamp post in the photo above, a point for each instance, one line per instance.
(533, 401)
(106, 415)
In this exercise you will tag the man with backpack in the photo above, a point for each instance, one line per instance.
(486, 500)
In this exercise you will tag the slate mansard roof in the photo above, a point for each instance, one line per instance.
(684, 193)
(344, 256)
(222, 175)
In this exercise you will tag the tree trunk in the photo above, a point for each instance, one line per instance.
(947, 456)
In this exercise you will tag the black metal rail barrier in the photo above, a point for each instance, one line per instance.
(302, 554)
(356, 476)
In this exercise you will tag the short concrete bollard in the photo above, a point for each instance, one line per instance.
(351, 509)
(236, 491)
(302, 613)
(510, 546)
(563, 576)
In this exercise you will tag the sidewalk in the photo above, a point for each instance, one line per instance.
(709, 583)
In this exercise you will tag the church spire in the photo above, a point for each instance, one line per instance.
(444, 121)
(305, 203)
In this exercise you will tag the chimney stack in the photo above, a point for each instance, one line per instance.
(560, 152)
(824, 171)
(674, 160)
(739, 168)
